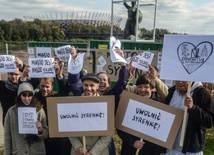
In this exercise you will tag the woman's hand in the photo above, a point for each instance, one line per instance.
(39, 126)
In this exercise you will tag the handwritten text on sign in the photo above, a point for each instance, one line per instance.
(41, 67)
(63, 52)
(43, 52)
(7, 63)
(142, 60)
(82, 116)
(148, 120)
(27, 120)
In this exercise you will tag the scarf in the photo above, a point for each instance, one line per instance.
(11, 86)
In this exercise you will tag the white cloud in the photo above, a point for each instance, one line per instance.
(176, 16)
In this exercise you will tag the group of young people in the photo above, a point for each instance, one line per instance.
(199, 104)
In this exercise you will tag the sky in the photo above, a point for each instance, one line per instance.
(180, 16)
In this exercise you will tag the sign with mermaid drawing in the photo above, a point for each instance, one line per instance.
(188, 58)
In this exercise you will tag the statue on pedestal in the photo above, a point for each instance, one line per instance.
(129, 31)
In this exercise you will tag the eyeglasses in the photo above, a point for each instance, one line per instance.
(29, 94)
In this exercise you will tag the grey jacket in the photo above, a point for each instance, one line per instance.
(15, 143)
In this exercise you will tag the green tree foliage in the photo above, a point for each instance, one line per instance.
(39, 30)
(20, 30)
(1, 34)
(35, 32)
(57, 34)
(7, 29)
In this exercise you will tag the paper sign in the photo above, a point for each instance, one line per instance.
(102, 61)
(43, 52)
(84, 118)
(128, 60)
(27, 120)
(188, 58)
(63, 52)
(30, 50)
(148, 119)
(76, 65)
(7, 63)
(99, 69)
(115, 57)
(142, 60)
(41, 67)
(31, 56)
(169, 83)
(152, 121)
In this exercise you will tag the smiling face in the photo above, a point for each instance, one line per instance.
(46, 86)
(144, 90)
(104, 83)
(90, 87)
(26, 97)
(182, 86)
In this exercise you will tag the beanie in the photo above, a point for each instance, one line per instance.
(91, 76)
(25, 86)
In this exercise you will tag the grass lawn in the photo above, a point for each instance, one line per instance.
(209, 146)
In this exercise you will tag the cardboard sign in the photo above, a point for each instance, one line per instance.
(148, 119)
(80, 116)
(113, 68)
(188, 58)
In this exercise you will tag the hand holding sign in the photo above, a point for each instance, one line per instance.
(73, 52)
(63, 52)
(39, 126)
(115, 44)
(7, 63)
(18, 62)
(152, 72)
(41, 67)
(75, 62)
(58, 67)
(142, 60)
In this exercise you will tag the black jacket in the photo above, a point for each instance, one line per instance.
(7, 98)
(201, 117)
(129, 140)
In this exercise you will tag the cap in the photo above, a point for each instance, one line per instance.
(90, 76)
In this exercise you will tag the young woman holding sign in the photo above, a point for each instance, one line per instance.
(145, 85)
(19, 144)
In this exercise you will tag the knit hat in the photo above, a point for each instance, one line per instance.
(90, 76)
(25, 86)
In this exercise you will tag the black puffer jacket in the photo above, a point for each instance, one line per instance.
(201, 117)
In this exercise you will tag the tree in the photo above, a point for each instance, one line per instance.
(1, 34)
(57, 34)
(35, 32)
(7, 28)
